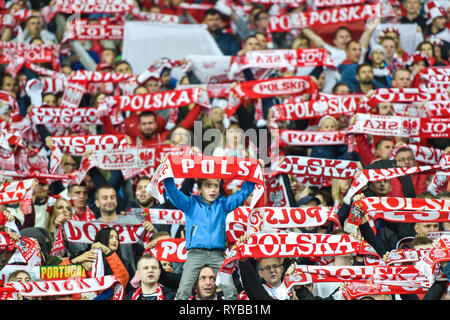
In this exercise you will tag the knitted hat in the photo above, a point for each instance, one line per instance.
(433, 11)
(377, 47)
(416, 57)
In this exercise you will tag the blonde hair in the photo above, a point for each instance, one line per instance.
(51, 222)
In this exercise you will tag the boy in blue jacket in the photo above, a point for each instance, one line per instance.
(205, 228)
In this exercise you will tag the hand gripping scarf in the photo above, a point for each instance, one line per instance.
(368, 175)
(325, 17)
(69, 287)
(427, 263)
(406, 275)
(395, 209)
(287, 244)
(208, 167)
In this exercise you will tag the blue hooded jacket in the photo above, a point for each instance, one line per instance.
(205, 223)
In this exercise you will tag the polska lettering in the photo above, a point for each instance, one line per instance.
(78, 145)
(69, 287)
(173, 250)
(157, 101)
(406, 95)
(324, 17)
(314, 108)
(279, 58)
(310, 138)
(306, 166)
(274, 87)
(84, 232)
(332, 3)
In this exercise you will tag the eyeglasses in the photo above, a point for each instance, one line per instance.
(268, 268)
(410, 159)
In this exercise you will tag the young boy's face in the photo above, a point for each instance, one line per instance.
(210, 190)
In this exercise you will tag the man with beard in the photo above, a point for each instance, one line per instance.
(366, 82)
(106, 201)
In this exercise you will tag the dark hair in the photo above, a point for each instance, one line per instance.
(198, 275)
(326, 197)
(337, 85)
(339, 29)
(212, 12)
(102, 236)
(443, 194)
(381, 140)
(256, 17)
(105, 186)
(350, 42)
(418, 241)
(146, 114)
(360, 66)
(73, 185)
(200, 182)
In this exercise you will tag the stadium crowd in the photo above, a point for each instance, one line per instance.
(332, 118)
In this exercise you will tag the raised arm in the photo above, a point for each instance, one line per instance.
(178, 198)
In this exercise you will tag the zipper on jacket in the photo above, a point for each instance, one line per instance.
(193, 229)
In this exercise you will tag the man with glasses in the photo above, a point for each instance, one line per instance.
(405, 159)
(270, 270)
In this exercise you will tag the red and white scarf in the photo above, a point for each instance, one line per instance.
(15, 191)
(60, 116)
(236, 223)
(85, 231)
(78, 145)
(406, 95)
(399, 126)
(256, 89)
(154, 101)
(173, 250)
(69, 287)
(405, 255)
(354, 290)
(269, 219)
(208, 167)
(281, 58)
(158, 216)
(287, 244)
(332, 3)
(83, 30)
(316, 108)
(154, 17)
(94, 6)
(159, 293)
(368, 175)
(422, 154)
(439, 253)
(307, 166)
(440, 180)
(58, 248)
(398, 210)
(406, 275)
(325, 17)
(310, 138)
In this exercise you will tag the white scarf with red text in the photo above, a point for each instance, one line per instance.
(289, 137)
(316, 108)
(325, 17)
(439, 253)
(154, 101)
(85, 231)
(400, 126)
(208, 167)
(173, 250)
(406, 95)
(281, 58)
(69, 287)
(269, 219)
(287, 244)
